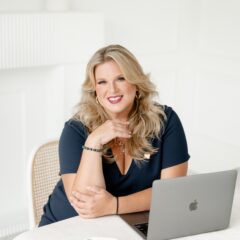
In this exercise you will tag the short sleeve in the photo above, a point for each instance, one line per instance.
(72, 138)
(174, 143)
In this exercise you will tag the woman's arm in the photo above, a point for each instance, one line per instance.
(99, 202)
(179, 170)
(127, 204)
(90, 171)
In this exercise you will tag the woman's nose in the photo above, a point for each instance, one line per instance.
(113, 87)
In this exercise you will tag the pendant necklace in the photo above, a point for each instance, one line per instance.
(122, 151)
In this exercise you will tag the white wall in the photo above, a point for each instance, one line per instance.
(22, 5)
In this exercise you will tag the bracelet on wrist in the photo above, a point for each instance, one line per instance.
(92, 149)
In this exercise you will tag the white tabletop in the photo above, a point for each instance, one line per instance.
(77, 228)
(113, 226)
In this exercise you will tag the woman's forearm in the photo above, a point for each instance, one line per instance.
(90, 172)
(136, 202)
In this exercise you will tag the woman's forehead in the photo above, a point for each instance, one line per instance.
(107, 68)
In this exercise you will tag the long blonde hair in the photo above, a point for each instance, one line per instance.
(146, 120)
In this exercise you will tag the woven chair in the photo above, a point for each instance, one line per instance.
(43, 176)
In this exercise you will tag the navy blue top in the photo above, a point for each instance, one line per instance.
(172, 147)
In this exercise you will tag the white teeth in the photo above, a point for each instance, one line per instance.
(114, 98)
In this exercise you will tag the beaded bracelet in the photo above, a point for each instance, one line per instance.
(92, 149)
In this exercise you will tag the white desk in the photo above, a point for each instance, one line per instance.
(113, 226)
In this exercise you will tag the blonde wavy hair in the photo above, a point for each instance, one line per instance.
(146, 119)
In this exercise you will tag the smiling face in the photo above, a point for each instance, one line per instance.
(114, 92)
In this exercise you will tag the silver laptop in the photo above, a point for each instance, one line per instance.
(186, 206)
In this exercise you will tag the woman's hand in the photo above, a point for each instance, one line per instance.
(108, 131)
(95, 203)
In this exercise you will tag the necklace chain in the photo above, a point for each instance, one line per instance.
(121, 145)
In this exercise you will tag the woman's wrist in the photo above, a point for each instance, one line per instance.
(117, 205)
(99, 150)
(92, 142)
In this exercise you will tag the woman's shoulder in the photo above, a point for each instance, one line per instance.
(171, 118)
(166, 109)
(75, 125)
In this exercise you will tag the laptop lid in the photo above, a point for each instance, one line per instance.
(191, 205)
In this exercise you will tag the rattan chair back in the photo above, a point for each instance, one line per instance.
(44, 174)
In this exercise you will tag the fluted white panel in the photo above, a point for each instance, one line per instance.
(35, 39)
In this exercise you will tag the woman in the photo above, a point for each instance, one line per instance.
(117, 143)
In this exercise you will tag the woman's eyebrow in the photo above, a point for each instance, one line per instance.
(100, 79)
(116, 77)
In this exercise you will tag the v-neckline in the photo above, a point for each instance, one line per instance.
(128, 171)
(118, 169)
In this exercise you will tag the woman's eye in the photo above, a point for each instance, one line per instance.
(101, 82)
(121, 78)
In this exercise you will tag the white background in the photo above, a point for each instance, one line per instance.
(191, 48)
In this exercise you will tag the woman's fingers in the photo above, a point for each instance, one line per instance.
(97, 202)
(108, 131)
(81, 211)
(118, 129)
(82, 208)
(80, 197)
(112, 125)
(119, 132)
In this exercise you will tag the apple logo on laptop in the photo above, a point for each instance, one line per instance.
(193, 205)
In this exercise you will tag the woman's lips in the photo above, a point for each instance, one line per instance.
(115, 99)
